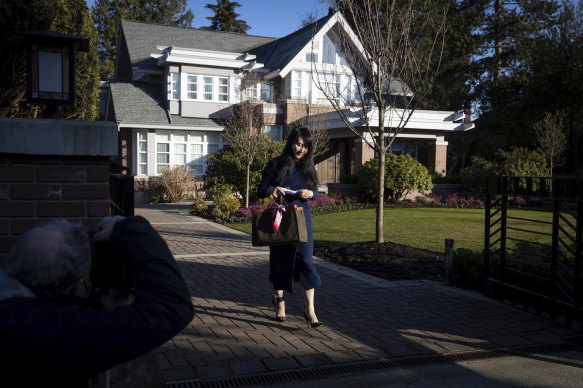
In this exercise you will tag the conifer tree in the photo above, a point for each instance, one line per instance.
(225, 17)
(107, 15)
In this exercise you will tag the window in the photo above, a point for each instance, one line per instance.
(197, 159)
(273, 131)
(179, 140)
(266, 92)
(312, 57)
(297, 84)
(191, 87)
(329, 51)
(223, 92)
(173, 86)
(208, 88)
(142, 153)
(250, 90)
(162, 151)
(400, 147)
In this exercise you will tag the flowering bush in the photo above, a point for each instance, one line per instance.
(248, 212)
(325, 200)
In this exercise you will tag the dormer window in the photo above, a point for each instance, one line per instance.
(173, 86)
(191, 86)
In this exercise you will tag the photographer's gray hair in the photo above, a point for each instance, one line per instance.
(50, 257)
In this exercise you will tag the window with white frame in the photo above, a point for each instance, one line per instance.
(173, 86)
(273, 131)
(223, 89)
(162, 150)
(191, 86)
(196, 152)
(266, 92)
(208, 88)
(297, 84)
(142, 153)
(179, 145)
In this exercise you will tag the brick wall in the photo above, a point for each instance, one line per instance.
(34, 189)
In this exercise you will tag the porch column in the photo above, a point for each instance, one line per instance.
(437, 156)
(362, 154)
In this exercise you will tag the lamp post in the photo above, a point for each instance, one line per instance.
(50, 72)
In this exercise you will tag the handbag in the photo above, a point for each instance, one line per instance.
(292, 228)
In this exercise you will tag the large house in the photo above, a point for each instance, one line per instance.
(173, 87)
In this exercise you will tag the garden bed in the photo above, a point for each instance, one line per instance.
(387, 260)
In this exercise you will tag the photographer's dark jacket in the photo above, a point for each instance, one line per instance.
(65, 342)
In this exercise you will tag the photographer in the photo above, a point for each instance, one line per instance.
(52, 332)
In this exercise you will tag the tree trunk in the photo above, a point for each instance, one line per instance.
(247, 185)
(380, 229)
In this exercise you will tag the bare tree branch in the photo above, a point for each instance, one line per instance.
(384, 66)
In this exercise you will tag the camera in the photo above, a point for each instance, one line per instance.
(110, 268)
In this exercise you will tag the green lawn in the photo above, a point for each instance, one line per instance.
(419, 227)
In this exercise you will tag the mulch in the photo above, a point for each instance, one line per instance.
(385, 260)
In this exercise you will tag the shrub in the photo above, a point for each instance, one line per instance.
(199, 206)
(227, 167)
(468, 269)
(516, 162)
(402, 174)
(172, 185)
(229, 205)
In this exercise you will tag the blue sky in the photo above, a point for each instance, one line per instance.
(274, 18)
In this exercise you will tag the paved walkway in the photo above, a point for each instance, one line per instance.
(234, 332)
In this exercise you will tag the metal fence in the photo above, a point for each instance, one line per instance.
(121, 194)
(536, 258)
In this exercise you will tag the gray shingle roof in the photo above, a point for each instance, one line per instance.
(143, 38)
(143, 103)
(276, 55)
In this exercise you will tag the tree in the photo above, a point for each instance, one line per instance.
(313, 117)
(227, 167)
(225, 17)
(107, 14)
(65, 16)
(389, 72)
(552, 138)
(244, 121)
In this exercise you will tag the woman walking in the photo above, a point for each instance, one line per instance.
(293, 176)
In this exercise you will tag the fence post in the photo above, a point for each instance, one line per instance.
(449, 257)
(503, 223)
(554, 246)
(579, 262)
(487, 210)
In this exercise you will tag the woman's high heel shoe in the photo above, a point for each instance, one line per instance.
(313, 324)
(276, 300)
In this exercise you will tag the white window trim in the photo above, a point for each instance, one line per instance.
(138, 152)
(172, 161)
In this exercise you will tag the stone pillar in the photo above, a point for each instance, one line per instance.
(437, 156)
(53, 168)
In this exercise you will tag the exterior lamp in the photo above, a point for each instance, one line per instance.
(50, 73)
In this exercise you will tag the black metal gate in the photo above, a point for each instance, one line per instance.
(543, 272)
(121, 196)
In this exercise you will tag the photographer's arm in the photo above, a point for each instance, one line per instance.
(162, 305)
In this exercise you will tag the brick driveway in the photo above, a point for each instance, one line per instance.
(234, 333)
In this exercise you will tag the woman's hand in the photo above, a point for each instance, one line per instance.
(306, 194)
(275, 191)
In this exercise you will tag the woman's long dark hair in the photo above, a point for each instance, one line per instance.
(306, 163)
